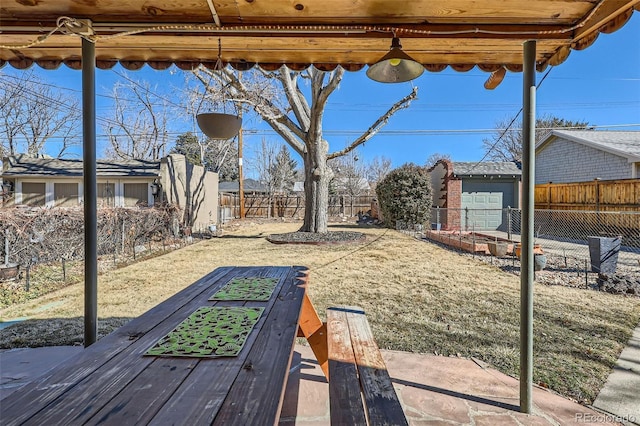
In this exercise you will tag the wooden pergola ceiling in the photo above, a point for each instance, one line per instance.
(460, 34)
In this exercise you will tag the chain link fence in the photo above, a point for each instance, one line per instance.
(36, 235)
(561, 233)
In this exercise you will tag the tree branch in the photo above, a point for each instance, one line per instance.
(380, 122)
(295, 97)
(274, 116)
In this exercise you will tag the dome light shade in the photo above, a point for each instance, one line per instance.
(218, 125)
(395, 67)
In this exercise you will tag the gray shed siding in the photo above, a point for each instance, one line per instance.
(562, 160)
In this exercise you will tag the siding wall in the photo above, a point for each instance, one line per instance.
(192, 188)
(562, 161)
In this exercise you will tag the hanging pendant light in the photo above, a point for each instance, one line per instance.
(219, 125)
(396, 66)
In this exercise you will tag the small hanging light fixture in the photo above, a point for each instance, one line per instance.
(219, 125)
(396, 66)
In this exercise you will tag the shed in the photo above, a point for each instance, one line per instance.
(584, 155)
(474, 194)
(53, 182)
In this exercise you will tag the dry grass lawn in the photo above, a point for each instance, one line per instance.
(418, 297)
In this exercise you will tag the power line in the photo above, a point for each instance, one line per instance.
(492, 147)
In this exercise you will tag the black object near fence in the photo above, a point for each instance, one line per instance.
(604, 254)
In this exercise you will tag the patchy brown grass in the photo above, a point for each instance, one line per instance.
(418, 297)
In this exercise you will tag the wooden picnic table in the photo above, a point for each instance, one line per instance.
(114, 382)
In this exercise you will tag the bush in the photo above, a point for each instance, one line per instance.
(404, 196)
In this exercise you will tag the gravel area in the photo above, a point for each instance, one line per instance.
(569, 272)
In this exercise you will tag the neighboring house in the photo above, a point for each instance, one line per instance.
(355, 186)
(248, 186)
(474, 194)
(47, 182)
(584, 155)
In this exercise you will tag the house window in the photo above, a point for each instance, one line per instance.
(33, 193)
(65, 194)
(106, 194)
(136, 194)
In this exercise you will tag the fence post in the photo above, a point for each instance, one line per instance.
(122, 241)
(466, 218)
(597, 180)
(438, 218)
(28, 277)
(509, 223)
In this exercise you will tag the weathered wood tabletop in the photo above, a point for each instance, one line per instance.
(114, 382)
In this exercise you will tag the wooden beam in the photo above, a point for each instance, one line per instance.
(609, 10)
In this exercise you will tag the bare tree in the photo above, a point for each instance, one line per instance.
(506, 143)
(350, 174)
(33, 114)
(280, 101)
(378, 169)
(138, 128)
(435, 157)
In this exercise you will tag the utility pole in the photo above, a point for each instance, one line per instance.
(240, 175)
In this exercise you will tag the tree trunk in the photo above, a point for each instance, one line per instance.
(316, 187)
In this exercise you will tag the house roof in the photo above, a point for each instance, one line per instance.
(249, 185)
(459, 34)
(623, 144)
(26, 166)
(486, 168)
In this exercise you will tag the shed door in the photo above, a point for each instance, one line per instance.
(136, 194)
(65, 194)
(33, 193)
(485, 210)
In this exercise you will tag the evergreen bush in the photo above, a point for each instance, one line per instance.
(405, 197)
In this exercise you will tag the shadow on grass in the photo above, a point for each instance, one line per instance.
(34, 333)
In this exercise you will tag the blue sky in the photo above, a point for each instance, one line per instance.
(453, 112)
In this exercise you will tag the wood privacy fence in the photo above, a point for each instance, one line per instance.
(597, 195)
(289, 206)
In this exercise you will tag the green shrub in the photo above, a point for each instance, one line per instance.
(404, 196)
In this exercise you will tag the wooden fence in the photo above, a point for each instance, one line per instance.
(289, 206)
(597, 195)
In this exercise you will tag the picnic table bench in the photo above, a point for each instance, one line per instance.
(360, 388)
(161, 368)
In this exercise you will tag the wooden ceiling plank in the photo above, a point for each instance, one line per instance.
(435, 32)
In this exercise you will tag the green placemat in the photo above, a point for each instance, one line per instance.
(250, 288)
(209, 332)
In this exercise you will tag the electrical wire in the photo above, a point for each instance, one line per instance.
(504, 132)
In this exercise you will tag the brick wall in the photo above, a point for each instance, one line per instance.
(454, 204)
(566, 161)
